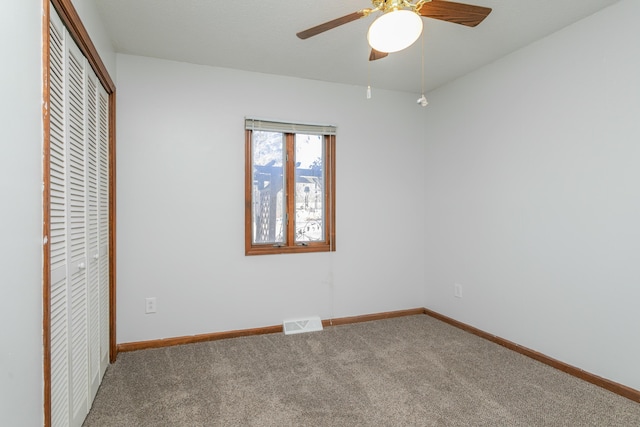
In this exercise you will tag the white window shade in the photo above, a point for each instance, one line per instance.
(272, 126)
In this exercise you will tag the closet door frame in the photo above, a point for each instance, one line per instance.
(71, 20)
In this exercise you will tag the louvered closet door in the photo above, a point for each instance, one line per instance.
(97, 228)
(77, 234)
(58, 228)
(92, 234)
(103, 224)
(79, 230)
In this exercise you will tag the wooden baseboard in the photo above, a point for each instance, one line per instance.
(612, 386)
(191, 339)
(370, 317)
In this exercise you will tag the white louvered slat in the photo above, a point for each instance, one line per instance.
(59, 355)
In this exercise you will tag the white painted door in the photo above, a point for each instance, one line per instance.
(77, 234)
(97, 162)
(79, 229)
(93, 249)
(103, 224)
(59, 320)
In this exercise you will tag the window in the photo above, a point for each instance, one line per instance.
(289, 188)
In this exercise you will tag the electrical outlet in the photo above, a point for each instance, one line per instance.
(150, 305)
(457, 290)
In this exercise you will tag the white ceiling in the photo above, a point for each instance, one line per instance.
(259, 35)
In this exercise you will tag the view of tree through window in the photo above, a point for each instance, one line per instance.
(290, 198)
(268, 155)
(309, 221)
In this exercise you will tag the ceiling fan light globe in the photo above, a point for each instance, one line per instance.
(394, 31)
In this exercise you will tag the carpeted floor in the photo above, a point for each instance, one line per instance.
(407, 371)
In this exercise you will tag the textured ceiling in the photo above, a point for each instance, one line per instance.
(259, 35)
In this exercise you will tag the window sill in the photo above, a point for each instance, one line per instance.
(273, 250)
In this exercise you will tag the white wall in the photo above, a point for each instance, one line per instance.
(181, 202)
(533, 196)
(88, 13)
(20, 229)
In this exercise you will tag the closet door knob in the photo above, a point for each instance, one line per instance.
(81, 266)
(96, 256)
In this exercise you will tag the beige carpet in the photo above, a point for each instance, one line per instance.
(408, 371)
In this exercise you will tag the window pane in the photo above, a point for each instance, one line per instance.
(309, 188)
(268, 210)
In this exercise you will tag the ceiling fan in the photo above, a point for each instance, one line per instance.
(400, 24)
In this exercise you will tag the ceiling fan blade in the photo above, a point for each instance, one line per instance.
(458, 13)
(377, 55)
(332, 24)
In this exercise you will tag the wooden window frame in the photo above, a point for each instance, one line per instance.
(289, 245)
